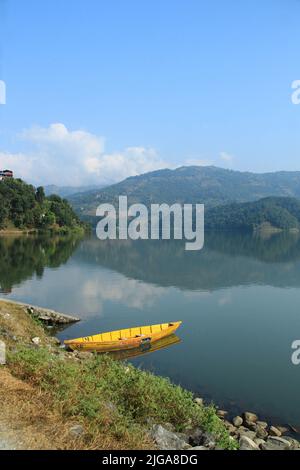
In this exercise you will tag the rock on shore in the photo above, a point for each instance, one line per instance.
(45, 315)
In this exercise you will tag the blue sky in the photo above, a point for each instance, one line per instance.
(101, 89)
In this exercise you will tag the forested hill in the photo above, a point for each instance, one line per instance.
(280, 213)
(24, 207)
(193, 184)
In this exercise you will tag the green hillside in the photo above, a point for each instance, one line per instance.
(24, 207)
(273, 212)
(210, 185)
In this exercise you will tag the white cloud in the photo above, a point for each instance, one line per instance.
(60, 156)
(226, 157)
(18, 162)
(91, 296)
(134, 294)
(57, 155)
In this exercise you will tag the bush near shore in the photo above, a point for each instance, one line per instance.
(103, 396)
(107, 395)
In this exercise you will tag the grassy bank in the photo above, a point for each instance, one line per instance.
(114, 402)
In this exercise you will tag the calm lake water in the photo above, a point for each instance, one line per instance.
(239, 300)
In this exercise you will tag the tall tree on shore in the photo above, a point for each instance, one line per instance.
(40, 195)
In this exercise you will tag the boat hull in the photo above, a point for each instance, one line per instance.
(163, 343)
(123, 339)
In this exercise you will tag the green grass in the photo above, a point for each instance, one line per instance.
(114, 396)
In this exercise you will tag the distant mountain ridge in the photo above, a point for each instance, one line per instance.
(66, 191)
(192, 184)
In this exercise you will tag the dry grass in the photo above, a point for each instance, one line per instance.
(31, 425)
(15, 322)
(27, 415)
(44, 392)
(24, 416)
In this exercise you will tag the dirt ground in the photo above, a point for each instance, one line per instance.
(24, 422)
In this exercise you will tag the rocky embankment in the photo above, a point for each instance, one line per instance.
(45, 315)
(247, 430)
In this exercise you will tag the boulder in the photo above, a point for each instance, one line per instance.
(222, 413)
(48, 316)
(250, 425)
(167, 440)
(250, 417)
(196, 437)
(273, 431)
(169, 427)
(276, 443)
(230, 428)
(247, 444)
(199, 401)
(200, 438)
(259, 442)
(76, 430)
(262, 424)
(199, 448)
(294, 443)
(36, 341)
(45, 318)
(282, 429)
(209, 441)
(55, 341)
(237, 421)
(261, 433)
(250, 434)
(2, 353)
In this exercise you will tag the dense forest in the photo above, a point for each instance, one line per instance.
(277, 212)
(24, 207)
(282, 213)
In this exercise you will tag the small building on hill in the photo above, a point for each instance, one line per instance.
(6, 174)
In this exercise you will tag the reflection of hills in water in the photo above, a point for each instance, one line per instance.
(228, 259)
(146, 349)
(22, 257)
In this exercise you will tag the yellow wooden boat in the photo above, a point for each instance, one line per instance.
(123, 339)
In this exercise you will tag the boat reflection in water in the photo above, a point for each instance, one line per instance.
(145, 349)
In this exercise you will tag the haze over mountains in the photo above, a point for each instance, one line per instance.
(66, 191)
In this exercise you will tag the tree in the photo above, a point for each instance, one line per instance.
(3, 211)
(48, 219)
(40, 195)
(26, 207)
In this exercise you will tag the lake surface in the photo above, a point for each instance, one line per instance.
(239, 300)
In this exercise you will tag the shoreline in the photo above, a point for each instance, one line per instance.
(33, 356)
(45, 315)
(107, 404)
(4, 233)
(64, 230)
